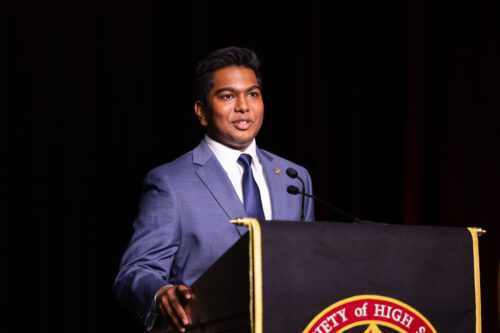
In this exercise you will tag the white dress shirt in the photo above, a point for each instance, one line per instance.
(228, 158)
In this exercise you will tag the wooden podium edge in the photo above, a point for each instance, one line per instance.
(475, 232)
(255, 271)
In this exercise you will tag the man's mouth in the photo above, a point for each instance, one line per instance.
(242, 124)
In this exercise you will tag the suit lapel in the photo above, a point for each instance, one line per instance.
(276, 182)
(217, 182)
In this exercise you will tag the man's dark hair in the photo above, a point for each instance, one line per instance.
(221, 58)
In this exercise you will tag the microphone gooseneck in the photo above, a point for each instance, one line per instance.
(295, 190)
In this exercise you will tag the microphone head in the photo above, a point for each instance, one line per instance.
(292, 189)
(291, 172)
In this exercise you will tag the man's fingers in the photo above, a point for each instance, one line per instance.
(167, 311)
(187, 308)
(177, 307)
(173, 317)
(174, 303)
(185, 291)
(187, 294)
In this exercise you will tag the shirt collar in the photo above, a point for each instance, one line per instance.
(227, 154)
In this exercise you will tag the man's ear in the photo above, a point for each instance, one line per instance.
(200, 110)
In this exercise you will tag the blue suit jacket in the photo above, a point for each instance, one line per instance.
(183, 223)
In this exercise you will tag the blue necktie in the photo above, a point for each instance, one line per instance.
(251, 193)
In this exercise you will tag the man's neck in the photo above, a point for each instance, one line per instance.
(221, 148)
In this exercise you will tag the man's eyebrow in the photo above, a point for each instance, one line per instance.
(253, 88)
(231, 89)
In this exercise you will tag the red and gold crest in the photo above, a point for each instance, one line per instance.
(373, 311)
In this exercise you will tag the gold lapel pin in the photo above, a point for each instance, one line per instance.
(277, 171)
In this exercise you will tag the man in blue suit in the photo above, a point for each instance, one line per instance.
(183, 223)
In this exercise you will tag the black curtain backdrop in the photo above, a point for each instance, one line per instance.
(393, 108)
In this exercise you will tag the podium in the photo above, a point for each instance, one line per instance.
(326, 277)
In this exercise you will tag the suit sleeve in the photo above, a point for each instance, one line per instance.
(146, 264)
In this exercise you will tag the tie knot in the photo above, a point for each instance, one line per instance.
(245, 160)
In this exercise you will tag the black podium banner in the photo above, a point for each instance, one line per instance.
(327, 277)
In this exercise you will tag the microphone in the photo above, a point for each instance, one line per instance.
(292, 173)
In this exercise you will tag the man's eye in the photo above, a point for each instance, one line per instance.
(254, 94)
(227, 96)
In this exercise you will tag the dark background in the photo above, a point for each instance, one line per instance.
(393, 107)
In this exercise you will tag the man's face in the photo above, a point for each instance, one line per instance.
(235, 109)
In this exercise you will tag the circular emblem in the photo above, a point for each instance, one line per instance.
(372, 311)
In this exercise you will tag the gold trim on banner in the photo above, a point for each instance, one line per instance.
(255, 271)
(475, 232)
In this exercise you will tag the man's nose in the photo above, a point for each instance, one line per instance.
(241, 105)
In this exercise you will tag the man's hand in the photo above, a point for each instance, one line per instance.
(174, 303)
